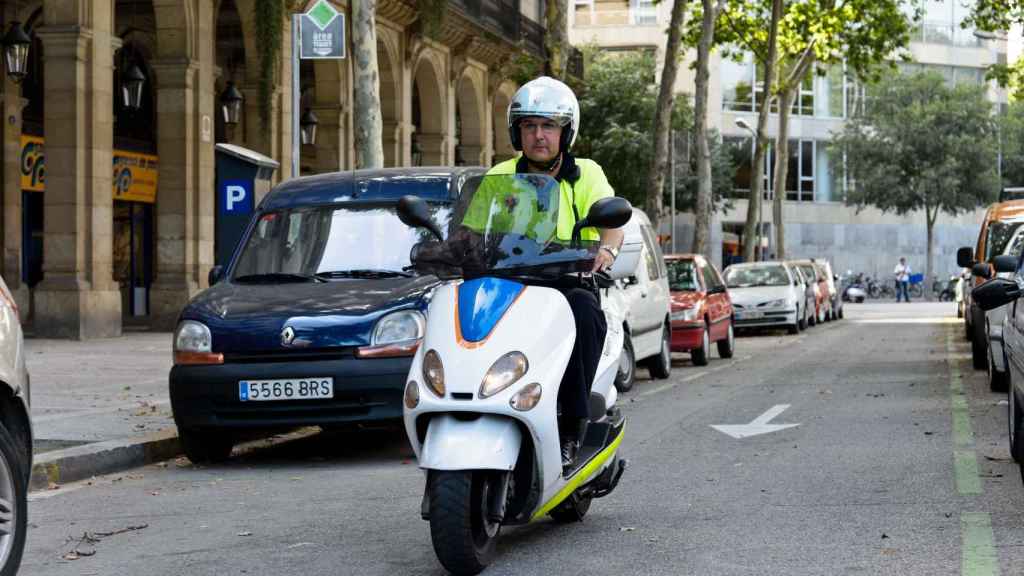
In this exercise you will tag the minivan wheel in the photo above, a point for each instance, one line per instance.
(997, 380)
(203, 446)
(660, 365)
(13, 505)
(626, 374)
(979, 342)
(1015, 418)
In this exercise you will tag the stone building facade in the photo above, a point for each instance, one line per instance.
(87, 249)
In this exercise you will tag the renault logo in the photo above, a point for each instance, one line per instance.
(287, 336)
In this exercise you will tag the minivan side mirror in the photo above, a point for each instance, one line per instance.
(982, 270)
(995, 293)
(1005, 263)
(215, 275)
(414, 212)
(965, 257)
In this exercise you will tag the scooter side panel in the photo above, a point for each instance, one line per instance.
(489, 442)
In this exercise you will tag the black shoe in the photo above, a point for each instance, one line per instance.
(569, 449)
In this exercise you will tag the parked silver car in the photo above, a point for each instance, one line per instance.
(15, 436)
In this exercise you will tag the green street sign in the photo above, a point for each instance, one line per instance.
(322, 32)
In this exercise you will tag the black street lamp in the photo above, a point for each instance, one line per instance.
(16, 45)
(131, 91)
(231, 105)
(308, 123)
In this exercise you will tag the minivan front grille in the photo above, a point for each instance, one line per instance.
(289, 356)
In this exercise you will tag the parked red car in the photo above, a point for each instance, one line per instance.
(701, 308)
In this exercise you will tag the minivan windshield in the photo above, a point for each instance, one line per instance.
(751, 276)
(682, 276)
(318, 243)
(999, 235)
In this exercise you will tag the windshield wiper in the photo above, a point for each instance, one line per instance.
(364, 273)
(277, 276)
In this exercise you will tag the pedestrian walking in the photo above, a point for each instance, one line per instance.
(902, 274)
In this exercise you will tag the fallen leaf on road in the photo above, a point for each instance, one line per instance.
(995, 459)
(296, 478)
(301, 544)
(885, 536)
(154, 493)
(245, 533)
(161, 464)
(627, 529)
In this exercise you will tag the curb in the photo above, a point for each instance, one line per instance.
(86, 461)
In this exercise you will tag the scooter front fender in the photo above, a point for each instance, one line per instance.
(487, 442)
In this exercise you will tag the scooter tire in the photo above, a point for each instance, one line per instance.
(572, 509)
(458, 527)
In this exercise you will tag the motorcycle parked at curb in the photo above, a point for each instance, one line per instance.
(480, 406)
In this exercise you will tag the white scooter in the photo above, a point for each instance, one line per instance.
(481, 399)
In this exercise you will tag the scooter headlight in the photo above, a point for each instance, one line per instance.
(433, 372)
(504, 373)
(526, 398)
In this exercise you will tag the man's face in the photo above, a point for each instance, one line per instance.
(540, 138)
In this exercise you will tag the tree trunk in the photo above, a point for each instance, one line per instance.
(663, 116)
(930, 217)
(781, 168)
(369, 126)
(556, 39)
(702, 227)
(787, 93)
(750, 234)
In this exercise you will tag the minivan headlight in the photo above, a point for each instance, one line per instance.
(401, 326)
(192, 336)
(780, 303)
(504, 373)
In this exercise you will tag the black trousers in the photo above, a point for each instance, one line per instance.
(574, 392)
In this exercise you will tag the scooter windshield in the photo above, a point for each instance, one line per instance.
(517, 225)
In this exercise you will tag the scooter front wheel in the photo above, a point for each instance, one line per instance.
(464, 537)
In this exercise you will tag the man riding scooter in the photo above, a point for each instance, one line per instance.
(543, 121)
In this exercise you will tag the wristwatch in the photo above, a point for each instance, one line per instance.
(611, 250)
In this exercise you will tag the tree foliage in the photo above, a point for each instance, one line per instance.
(617, 123)
(1011, 139)
(921, 145)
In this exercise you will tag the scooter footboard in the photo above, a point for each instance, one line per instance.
(488, 442)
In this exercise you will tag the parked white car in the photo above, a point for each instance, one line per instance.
(767, 294)
(642, 298)
(15, 435)
(998, 377)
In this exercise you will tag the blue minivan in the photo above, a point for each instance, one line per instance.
(315, 319)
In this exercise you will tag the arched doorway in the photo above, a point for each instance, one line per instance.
(501, 142)
(429, 116)
(134, 156)
(390, 98)
(469, 123)
(32, 160)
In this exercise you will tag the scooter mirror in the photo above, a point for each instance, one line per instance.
(982, 270)
(1005, 263)
(413, 211)
(965, 257)
(995, 293)
(611, 212)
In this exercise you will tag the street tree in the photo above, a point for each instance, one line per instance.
(863, 34)
(1011, 142)
(617, 103)
(702, 227)
(663, 116)
(556, 40)
(921, 145)
(369, 125)
(741, 31)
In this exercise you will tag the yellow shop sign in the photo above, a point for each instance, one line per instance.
(134, 175)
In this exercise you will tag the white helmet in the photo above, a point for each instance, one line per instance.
(547, 98)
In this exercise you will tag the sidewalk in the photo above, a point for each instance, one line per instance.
(99, 405)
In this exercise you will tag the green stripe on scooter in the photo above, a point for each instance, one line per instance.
(593, 466)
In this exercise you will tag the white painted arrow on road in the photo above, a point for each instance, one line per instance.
(760, 425)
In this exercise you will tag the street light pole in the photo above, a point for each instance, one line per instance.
(742, 123)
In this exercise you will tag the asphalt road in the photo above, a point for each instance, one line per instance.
(898, 465)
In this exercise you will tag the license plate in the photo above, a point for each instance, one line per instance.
(750, 315)
(296, 389)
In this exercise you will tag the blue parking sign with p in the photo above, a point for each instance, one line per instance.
(236, 197)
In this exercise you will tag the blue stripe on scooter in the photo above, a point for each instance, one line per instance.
(482, 303)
